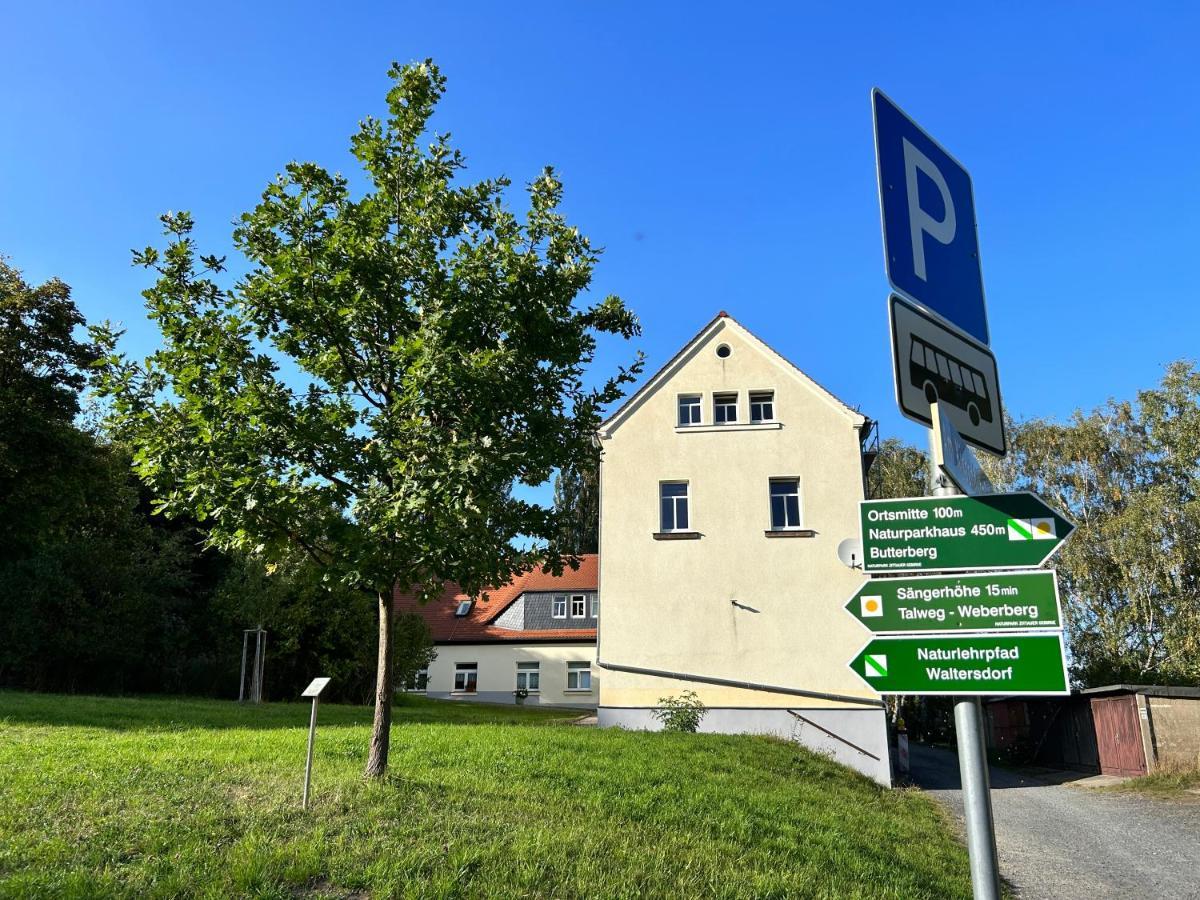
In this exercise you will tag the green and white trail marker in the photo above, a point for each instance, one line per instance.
(965, 664)
(947, 534)
(1007, 601)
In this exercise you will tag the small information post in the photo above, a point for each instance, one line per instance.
(313, 690)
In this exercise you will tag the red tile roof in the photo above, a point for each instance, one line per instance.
(477, 627)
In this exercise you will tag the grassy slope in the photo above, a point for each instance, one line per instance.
(186, 797)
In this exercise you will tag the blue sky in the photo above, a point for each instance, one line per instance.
(722, 154)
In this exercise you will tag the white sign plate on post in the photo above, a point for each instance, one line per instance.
(314, 689)
(955, 458)
(932, 364)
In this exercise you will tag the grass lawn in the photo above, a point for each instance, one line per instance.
(1170, 784)
(181, 797)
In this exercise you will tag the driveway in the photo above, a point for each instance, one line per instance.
(1074, 843)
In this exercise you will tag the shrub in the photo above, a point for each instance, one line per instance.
(682, 713)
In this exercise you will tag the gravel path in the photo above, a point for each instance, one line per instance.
(1071, 843)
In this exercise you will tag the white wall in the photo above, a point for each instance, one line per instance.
(498, 672)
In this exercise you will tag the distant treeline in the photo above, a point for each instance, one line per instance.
(99, 594)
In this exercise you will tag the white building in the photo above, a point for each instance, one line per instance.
(727, 482)
(534, 636)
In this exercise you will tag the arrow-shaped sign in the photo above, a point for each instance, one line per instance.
(1011, 601)
(965, 664)
(946, 534)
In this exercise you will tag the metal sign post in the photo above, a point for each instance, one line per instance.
(973, 766)
(313, 690)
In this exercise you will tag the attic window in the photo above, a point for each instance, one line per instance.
(464, 607)
(723, 351)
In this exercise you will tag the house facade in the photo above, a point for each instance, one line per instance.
(534, 636)
(727, 482)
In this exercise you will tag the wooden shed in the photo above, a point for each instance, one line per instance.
(1118, 729)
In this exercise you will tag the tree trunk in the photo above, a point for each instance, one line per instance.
(382, 729)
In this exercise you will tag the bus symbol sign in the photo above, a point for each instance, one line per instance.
(933, 364)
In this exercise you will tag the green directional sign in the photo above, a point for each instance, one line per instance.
(965, 664)
(992, 531)
(1012, 601)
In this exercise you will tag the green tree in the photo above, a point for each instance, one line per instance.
(415, 649)
(900, 470)
(90, 590)
(1128, 474)
(577, 500)
(387, 372)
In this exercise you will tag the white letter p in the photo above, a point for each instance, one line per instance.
(920, 222)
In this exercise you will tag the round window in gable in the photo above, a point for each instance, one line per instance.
(723, 351)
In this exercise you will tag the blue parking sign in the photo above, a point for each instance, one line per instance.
(931, 248)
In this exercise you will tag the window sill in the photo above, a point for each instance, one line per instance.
(676, 535)
(735, 426)
(790, 533)
(463, 693)
(577, 691)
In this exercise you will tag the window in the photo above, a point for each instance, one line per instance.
(785, 503)
(466, 677)
(560, 608)
(723, 351)
(762, 406)
(419, 681)
(689, 409)
(579, 676)
(464, 607)
(724, 408)
(595, 606)
(674, 505)
(578, 606)
(529, 676)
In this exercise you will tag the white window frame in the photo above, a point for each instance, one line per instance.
(595, 606)
(582, 599)
(725, 399)
(464, 669)
(788, 526)
(687, 505)
(576, 668)
(554, 606)
(529, 667)
(694, 401)
(759, 398)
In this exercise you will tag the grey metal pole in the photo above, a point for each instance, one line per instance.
(262, 660)
(977, 799)
(312, 734)
(242, 677)
(972, 759)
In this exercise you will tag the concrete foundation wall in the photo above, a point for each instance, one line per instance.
(865, 728)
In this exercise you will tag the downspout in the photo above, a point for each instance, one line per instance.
(687, 676)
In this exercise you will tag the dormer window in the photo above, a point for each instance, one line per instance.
(724, 408)
(689, 409)
(762, 406)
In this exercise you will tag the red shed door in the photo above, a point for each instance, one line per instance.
(1118, 736)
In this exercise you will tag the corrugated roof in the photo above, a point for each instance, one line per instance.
(477, 625)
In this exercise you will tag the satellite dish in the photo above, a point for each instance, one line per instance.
(850, 552)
